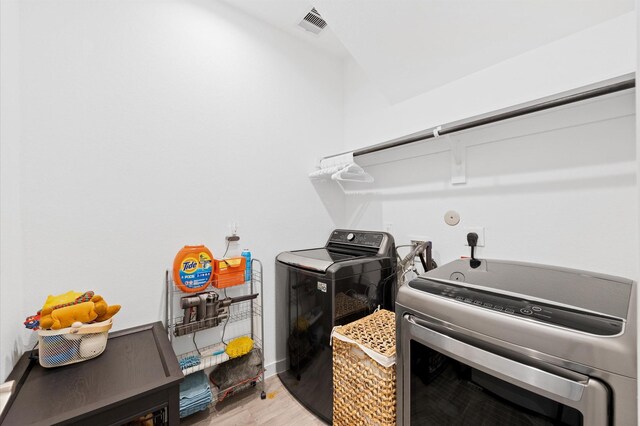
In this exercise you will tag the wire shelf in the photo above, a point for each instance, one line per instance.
(212, 355)
(222, 283)
(247, 314)
(239, 311)
(221, 394)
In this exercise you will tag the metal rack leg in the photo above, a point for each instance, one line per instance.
(263, 394)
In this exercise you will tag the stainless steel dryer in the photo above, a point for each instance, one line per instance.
(345, 280)
(510, 343)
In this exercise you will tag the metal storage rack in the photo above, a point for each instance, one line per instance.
(247, 314)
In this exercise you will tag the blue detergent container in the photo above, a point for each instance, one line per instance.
(247, 272)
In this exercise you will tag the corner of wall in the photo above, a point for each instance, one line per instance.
(11, 288)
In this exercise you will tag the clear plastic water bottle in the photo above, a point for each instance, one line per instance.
(247, 272)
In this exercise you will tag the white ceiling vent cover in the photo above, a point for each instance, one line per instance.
(313, 22)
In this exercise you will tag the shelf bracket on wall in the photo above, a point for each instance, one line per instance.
(458, 161)
(458, 157)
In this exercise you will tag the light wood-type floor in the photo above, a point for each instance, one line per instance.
(279, 409)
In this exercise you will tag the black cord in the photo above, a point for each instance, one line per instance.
(384, 284)
(423, 261)
(226, 250)
(195, 344)
(225, 254)
(224, 328)
(227, 320)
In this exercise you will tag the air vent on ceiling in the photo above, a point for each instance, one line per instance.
(313, 22)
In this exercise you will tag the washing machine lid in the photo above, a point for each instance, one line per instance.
(496, 302)
(318, 259)
(588, 291)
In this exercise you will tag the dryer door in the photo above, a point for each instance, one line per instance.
(447, 381)
(309, 320)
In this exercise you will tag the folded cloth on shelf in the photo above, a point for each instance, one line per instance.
(190, 411)
(193, 385)
(189, 361)
(186, 402)
(195, 394)
(204, 400)
(195, 407)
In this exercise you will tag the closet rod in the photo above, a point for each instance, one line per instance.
(606, 87)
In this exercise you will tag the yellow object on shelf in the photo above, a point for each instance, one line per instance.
(240, 346)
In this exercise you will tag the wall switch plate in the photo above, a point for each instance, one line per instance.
(478, 230)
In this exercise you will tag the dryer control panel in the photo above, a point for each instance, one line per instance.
(357, 238)
(546, 313)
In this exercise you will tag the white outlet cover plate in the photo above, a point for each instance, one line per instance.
(478, 230)
(413, 238)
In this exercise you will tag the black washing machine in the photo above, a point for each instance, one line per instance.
(347, 279)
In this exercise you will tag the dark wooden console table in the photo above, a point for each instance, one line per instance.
(138, 373)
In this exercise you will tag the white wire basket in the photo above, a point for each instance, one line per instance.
(72, 344)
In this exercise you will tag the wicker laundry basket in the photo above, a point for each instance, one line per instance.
(364, 371)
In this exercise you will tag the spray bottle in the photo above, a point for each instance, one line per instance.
(247, 272)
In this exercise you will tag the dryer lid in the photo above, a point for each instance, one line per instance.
(318, 259)
(584, 290)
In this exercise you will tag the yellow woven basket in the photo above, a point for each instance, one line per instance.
(364, 391)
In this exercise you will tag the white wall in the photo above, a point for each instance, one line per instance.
(412, 46)
(637, 160)
(11, 284)
(150, 125)
(601, 52)
(553, 189)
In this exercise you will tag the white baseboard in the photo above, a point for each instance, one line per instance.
(275, 367)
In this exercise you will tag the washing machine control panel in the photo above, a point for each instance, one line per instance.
(364, 239)
(551, 314)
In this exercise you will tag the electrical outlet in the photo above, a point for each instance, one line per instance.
(388, 227)
(233, 228)
(478, 230)
(233, 232)
(416, 239)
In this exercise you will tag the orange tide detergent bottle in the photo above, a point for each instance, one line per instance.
(192, 269)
